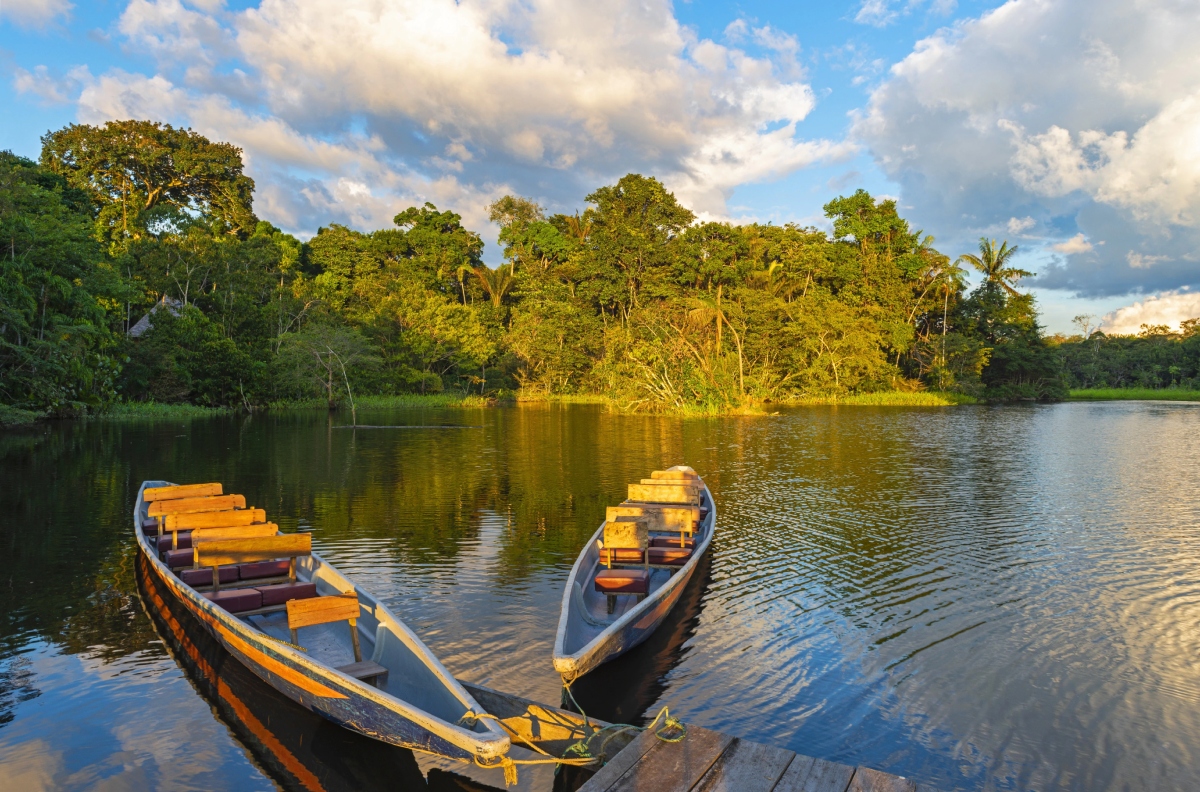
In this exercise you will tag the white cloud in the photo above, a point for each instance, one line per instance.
(1081, 114)
(881, 13)
(34, 13)
(48, 87)
(1169, 308)
(1074, 245)
(457, 102)
(1142, 260)
(1019, 225)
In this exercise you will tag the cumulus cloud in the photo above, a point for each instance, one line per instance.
(1169, 308)
(459, 102)
(1074, 245)
(881, 13)
(1084, 116)
(34, 13)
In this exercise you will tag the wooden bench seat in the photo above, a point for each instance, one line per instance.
(365, 670)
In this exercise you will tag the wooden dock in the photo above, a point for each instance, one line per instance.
(704, 761)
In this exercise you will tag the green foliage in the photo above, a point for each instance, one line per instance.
(1143, 394)
(57, 296)
(630, 300)
(1155, 358)
(142, 175)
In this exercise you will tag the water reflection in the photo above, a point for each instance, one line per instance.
(992, 598)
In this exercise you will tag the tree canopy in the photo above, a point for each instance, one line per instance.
(629, 296)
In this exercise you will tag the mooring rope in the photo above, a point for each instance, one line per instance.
(671, 731)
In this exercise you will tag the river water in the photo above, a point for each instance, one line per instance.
(979, 598)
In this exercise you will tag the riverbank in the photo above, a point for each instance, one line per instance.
(1134, 394)
(141, 411)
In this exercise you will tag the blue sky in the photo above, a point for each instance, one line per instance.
(1064, 127)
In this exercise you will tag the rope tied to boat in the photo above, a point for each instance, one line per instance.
(507, 763)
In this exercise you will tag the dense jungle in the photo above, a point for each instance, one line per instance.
(135, 270)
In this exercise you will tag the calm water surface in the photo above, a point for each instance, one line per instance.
(977, 598)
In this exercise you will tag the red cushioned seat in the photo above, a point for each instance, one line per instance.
(623, 581)
(282, 592)
(264, 569)
(235, 600)
(178, 558)
(670, 556)
(203, 577)
(622, 555)
(185, 541)
(672, 541)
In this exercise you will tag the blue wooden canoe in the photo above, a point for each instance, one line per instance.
(417, 705)
(589, 634)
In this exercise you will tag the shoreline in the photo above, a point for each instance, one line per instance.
(1134, 394)
(11, 417)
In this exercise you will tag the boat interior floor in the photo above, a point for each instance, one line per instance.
(328, 643)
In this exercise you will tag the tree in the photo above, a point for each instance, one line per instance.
(143, 175)
(324, 356)
(993, 263)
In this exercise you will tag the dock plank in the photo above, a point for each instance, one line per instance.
(746, 767)
(608, 775)
(868, 780)
(815, 775)
(674, 767)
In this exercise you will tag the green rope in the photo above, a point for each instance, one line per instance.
(671, 731)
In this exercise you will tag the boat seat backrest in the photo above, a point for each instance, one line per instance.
(214, 503)
(625, 540)
(220, 519)
(324, 610)
(200, 535)
(220, 552)
(659, 517)
(175, 492)
(672, 492)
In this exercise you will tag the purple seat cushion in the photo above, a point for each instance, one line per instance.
(150, 526)
(672, 556)
(203, 577)
(282, 592)
(671, 541)
(623, 581)
(264, 569)
(235, 600)
(185, 541)
(178, 558)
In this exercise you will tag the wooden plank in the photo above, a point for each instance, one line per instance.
(815, 775)
(219, 519)
(675, 767)
(188, 505)
(675, 475)
(612, 772)
(659, 517)
(151, 494)
(664, 493)
(366, 669)
(868, 780)
(245, 551)
(233, 532)
(321, 610)
(746, 767)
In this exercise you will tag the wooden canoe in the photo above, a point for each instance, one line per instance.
(417, 705)
(588, 635)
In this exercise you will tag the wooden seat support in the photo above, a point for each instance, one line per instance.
(323, 610)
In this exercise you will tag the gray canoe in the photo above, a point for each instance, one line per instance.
(418, 706)
(588, 635)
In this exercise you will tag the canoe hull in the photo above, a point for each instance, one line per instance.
(635, 626)
(336, 697)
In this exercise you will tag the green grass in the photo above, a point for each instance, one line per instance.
(451, 399)
(13, 416)
(890, 399)
(136, 411)
(573, 398)
(1122, 394)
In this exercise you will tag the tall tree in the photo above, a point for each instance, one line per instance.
(143, 174)
(993, 261)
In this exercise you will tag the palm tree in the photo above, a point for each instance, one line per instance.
(496, 282)
(993, 264)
